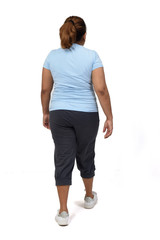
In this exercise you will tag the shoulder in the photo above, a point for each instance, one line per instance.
(92, 52)
(52, 51)
(88, 50)
(96, 60)
(51, 54)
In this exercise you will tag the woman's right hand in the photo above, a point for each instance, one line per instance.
(109, 126)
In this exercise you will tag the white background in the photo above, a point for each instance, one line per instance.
(126, 35)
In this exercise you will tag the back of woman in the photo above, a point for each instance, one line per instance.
(71, 70)
(73, 73)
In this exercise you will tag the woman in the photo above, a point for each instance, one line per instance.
(72, 115)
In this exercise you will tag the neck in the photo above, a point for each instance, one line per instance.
(80, 43)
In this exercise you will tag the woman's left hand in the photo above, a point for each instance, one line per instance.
(46, 121)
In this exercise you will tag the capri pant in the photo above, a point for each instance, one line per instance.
(74, 135)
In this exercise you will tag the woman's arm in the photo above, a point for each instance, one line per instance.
(100, 87)
(47, 85)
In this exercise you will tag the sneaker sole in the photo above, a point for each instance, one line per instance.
(62, 222)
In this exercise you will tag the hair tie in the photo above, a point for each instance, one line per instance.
(72, 22)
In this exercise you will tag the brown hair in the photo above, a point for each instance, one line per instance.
(72, 31)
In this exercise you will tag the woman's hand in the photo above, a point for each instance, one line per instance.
(46, 121)
(109, 126)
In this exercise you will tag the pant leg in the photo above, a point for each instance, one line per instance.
(64, 138)
(86, 127)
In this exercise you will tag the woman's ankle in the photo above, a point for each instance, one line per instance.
(89, 195)
(63, 209)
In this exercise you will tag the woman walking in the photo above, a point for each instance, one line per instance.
(72, 114)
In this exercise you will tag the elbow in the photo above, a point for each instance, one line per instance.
(102, 92)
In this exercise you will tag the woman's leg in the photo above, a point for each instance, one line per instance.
(64, 138)
(86, 131)
(88, 183)
(63, 196)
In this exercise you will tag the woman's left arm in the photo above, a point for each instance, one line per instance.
(47, 85)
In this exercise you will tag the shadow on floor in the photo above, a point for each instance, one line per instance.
(79, 207)
(79, 203)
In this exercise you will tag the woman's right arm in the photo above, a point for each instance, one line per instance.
(100, 87)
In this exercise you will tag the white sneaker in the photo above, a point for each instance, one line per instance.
(62, 218)
(90, 202)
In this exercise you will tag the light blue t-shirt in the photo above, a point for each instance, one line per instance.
(71, 71)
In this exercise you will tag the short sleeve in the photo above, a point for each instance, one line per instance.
(96, 61)
(46, 63)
